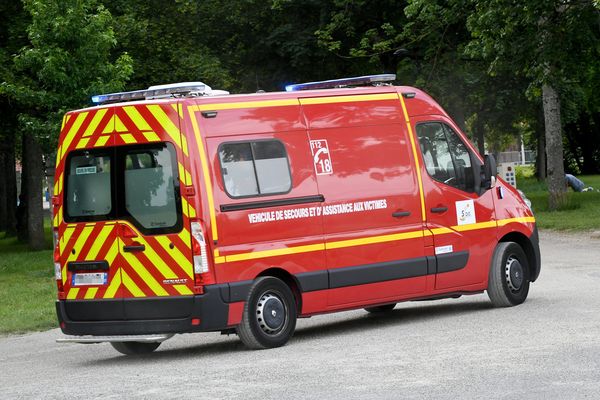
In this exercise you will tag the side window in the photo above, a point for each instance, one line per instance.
(446, 157)
(255, 168)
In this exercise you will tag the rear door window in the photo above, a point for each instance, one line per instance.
(137, 183)
(151, 186)
(255, 168)
(88, 186)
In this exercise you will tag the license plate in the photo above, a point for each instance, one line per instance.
(96, 278)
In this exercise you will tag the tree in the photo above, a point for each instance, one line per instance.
(551, 43)
(69, 58)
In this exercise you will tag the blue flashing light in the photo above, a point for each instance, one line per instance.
(333, 83)
(153, 92)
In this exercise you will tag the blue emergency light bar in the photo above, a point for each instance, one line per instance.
(344, 82)
(152, 92)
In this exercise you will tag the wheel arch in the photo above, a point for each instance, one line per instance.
(289, 280)
(531, 248)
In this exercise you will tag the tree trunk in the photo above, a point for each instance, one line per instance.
(479, 135)
(554, 149)
(11, 187)
(3, 185)
(33, 175)
(540, 161)
(22, 208)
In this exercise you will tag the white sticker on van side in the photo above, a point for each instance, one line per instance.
(321, 157)
(317, 211)
(443, 249)
(465, 212)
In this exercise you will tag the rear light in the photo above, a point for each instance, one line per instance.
(58, 276)
(127, 232)
(57, 268)
(201, 270)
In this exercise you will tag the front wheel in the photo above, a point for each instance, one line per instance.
(269, 317)
(508, 283)
(132, 348)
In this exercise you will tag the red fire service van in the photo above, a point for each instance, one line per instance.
(184, 209)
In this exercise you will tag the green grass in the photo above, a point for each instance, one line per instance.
(581, 213)
(27, 287)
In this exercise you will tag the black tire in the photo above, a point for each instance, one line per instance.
(132, 348)
(380, 309)
(269, 317)
(508, 283)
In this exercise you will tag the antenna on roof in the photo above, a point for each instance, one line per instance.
(367, 80)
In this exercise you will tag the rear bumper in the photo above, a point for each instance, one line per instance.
(145, 316)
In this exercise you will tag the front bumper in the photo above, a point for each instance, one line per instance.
(148, 315)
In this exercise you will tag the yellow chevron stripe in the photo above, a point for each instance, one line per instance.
(347, 99)
(247, 104)
(128, 138)
(151, 136)
(99, 242)
(101, 141)
(181, 260)
(184, 235)
(130, 285)
(82, 143)
(72, 132)
(110, 126)
(112, 252)
(64, 121)
(168, 125)
(119, 125)
(205, 173)
(60, 183)
(114, 285)
(184, 144)
(91, 293)
(81, 240)
(182, 289)
(95, 122)
(66, 236)
(143, 273)
(156, 260)
(72, 293)
(58, 154)
(137, 118)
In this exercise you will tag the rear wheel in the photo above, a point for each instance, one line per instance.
(269, 317)
(380, 309)
(508, 283)
(131, 348)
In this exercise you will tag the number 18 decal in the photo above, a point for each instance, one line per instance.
(321, 157)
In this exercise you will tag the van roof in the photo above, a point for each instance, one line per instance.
(248, 97)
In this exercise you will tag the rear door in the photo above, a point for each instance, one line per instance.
(155, 251)
(84, 215)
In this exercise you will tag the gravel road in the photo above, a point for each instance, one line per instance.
(547, 348)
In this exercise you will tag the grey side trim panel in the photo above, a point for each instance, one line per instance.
(452, 261)
(311, 281)
(378, 272)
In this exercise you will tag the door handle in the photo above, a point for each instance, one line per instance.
(439, 210)
(399, 214)
(134, 247)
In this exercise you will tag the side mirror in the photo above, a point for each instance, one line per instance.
(489, 170)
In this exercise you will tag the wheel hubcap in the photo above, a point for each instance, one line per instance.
(270, 313)
(514, 273)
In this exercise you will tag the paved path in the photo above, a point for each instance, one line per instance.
(547, 348)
